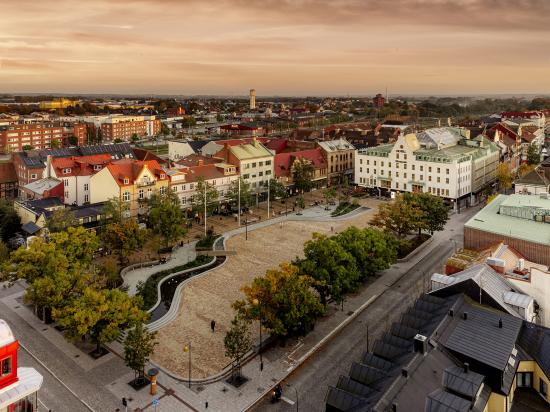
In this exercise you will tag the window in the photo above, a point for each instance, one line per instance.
(149, 193)
(405, 156)
(447, 180)
(126, 181)
(421, 168)
(405, 175)
(97, 167)
(86, 198)
(126, 196)
(412, 167)
(162, 176)
(162, 190)
(141, 194)
(65, 182)
(543, 387)
(86, 186)
(254, 164)
(360, 161)
(260, 173)
(66, 194)
(525, 379)
(429, 178)
(438, 170)
(246, 176)
(191, 186)
(397, 155)
(360, 170)
(375, 162)
(6, 366)
(260, 164)
(66, 171)
(33, 176)
(267, 172)
(438, 179)
(447, 171)
(430, 169)
(268, 162)
(382, 164)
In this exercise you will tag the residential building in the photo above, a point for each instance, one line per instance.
(57, 104)
(285, 162)
(449, 353)
(179, 149)
(254, 162)
(8, 181)
(19, 385)
(378, 101)
(42, 189)
(535, 182)
(132, 181)
(339, 155)
(75, 173)
(17, 137)
(441, 161)
(125, 127)
(30, 165)
(242, 129)
(520, 221)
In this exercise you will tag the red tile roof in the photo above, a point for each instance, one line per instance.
(79, 165)
(283, 161)
(131, 169)
(207, 172)
(194, 160)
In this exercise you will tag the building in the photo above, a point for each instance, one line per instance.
(19, 386)
(179, 149)
(443, 161)
(339, 155)
(175, 111)
(132, 181)
(8, 181)
(285, 162)
(42, 189)
(127, 127)
(30, 166)
(520, 221)
(242, 129)
(57, 104)
(254, 162)
(75, 173)
(447, 353)
(17, 137)
(378, 101)
(535, 182)
(252, 99)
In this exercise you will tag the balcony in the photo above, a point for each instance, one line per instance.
(143, 183)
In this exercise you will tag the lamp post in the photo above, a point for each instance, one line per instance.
(246, 228)
(256, 302)
(296, 392)
(187, 348)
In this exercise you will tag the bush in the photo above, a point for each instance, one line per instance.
(343, 208)
(148, 289)
(207, 242)
(406, 246)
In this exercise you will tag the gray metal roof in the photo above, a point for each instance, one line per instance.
(459, 381)
(480, 338)
(442, 401)
(517, 299)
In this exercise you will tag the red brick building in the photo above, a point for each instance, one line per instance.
(16, 137)
(378, 101)
(125, 129)
(8, 181)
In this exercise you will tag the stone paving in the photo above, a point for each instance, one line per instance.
(210, 297)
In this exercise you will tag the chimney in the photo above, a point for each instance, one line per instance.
(466, 367)
(451, 313)
(405, 372)
(48, 166)
(465, 316)
(500, 323)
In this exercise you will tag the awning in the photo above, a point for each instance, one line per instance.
(29, 382)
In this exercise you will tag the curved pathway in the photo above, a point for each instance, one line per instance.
(209, 297)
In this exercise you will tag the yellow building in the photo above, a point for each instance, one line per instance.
(57, 104)
(131, 181)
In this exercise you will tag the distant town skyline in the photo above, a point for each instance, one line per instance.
(285, 48)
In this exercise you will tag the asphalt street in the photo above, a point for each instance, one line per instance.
(310, 381)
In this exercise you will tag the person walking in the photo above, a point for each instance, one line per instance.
(213, 325)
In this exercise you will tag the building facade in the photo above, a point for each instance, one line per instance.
(443, 162)
(340, 157)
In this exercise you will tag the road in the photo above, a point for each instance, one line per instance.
(312, 378)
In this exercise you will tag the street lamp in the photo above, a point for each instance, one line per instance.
(296, 392)
(256, 302)
(187, 348)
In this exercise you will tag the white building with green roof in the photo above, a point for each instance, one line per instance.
(442, 161)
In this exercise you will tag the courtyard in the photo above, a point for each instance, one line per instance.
(210, 297)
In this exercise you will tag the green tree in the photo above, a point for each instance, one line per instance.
(435, 211)
(533, 155)
(373, 250)
(101, 314)
(237, 342)
(164, 130)
(139, 345)
(504, 176)
(55, 144)
(247, 196)
(72, 140)
(399, 217)
(4, 254)
(10, 222)
(135, 137)
(204, 188)
(116, 211)
(525, 168)
(77, 243)
(331, 266)
(123, 238)
(27, 147)
(276, 189)
(329, 194)
(302, 174)
(60, 220)
(282, 300)
(117, 140)
(166, 217)
(345, 190)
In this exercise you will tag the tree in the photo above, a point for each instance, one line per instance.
(399, 217)
(525, 168)
(302, 174)
(4, 254)
(72, 140)
(329, 194)
(117, 140)
(533, 155)
(135, 137)
(55, 144)
(208, 189)
(166, 217)
(219, 118)
(60, 220)
(116, 210)
(504, 176)
(372, 249)
(123, 238)
(77, 243)
(345, 190)
(27, 147)
(276, 189)
(247, 197)
(300, 202)
(164, 130)
(139, 345)
(435, 211)
(101, 314)
(237, 342)
(282, 300)
(332, 267)
(10, 222)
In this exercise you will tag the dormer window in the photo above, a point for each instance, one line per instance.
(126, 181)
(97, 167)
(162, 176)
(67, 170)
(6, 366)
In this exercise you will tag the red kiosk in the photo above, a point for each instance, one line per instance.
(18, 386)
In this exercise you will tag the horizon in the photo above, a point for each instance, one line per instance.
(308, 48)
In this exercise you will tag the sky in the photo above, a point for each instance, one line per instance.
(283, 47)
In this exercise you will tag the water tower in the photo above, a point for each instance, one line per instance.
(252, 99)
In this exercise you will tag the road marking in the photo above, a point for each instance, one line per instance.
(289, 401)
(45, 407)
(55, 376)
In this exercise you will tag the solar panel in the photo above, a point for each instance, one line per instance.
(341, 400)
(365, 374)
(396, 341)
(387, 351)
(442, 401)
(403, 331)
(459, 381)
(370, 359)
(417, 313)
(349, 385)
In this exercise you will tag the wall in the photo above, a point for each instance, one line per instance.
(538, 288)
(179, 150)
(103, 187)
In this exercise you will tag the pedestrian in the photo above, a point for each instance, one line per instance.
(213, 325)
